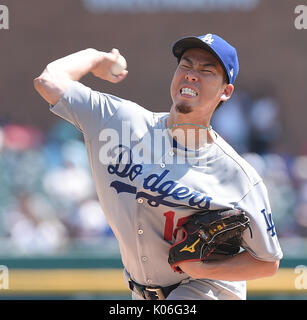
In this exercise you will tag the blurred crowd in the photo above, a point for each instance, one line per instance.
(48, 203)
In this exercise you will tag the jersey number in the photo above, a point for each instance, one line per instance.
(169, 224)
(170, 215)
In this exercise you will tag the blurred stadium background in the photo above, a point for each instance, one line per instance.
(53, 236)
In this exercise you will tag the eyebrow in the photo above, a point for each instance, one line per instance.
(206, 64)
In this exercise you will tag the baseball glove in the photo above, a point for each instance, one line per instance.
(210, 235)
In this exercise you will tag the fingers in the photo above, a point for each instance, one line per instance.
(180, 234)
(103, 70)
(120, 77)
(115, 53)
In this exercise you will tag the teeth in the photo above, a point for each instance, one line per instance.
(188, 91)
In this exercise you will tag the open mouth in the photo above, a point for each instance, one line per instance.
(188, 92)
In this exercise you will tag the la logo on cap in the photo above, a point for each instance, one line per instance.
(208, 38)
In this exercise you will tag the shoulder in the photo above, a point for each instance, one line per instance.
(237, 163)
(135, 113)
(128, 107)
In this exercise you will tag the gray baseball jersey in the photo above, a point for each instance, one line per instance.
(147, 188)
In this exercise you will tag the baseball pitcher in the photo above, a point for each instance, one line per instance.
(192, 218)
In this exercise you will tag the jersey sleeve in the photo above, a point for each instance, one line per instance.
(86, 109)
(261, 241)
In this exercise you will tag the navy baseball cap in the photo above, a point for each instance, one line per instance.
(221, 49)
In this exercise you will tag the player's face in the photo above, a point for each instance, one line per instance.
(198, 82)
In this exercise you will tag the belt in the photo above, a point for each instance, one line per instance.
(151, 293)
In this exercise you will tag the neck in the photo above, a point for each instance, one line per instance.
(191, 131)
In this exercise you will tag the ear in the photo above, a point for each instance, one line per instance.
(227, 92)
